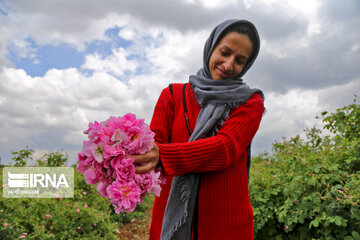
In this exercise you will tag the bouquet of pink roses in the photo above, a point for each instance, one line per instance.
(103, 161)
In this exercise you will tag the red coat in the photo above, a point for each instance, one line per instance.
(224, 208)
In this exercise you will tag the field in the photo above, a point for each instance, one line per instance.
(85, 216)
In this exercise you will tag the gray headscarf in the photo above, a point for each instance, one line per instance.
(216, 98)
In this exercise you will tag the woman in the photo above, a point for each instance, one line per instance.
(206, 150)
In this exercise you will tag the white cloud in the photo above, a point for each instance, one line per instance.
(308, 7)
(127, 33)
(290, 113)
(53, 27)
(216, 4)
(116, 64)
(179, 53)
(64, 101)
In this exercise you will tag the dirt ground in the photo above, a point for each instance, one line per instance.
(138, 229)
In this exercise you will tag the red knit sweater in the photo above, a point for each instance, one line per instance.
(224, 209)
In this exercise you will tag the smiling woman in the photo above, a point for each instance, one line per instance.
(230, 56)
(203, 132)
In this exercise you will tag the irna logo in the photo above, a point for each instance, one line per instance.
(36, 180)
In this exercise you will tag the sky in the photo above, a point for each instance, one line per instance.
(64, 64)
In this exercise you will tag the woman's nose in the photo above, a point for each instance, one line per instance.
(228, 65)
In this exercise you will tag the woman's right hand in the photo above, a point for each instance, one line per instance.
(148, 161)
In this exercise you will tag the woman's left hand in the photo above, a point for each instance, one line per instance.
(146, 162)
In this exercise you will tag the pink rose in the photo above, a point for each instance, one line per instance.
(101, 187)
(124, 168)
(124, 196)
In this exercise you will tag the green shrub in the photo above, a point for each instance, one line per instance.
(85, 216)
(309, 188)
(53, 159)
(21, 157)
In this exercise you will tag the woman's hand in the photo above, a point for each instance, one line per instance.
(146, 162)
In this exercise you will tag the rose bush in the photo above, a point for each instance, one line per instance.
(85, 216)
(309, 188)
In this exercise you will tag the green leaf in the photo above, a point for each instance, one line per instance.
(355, 235)
(338, 221)
(348, 238)
(314, 223)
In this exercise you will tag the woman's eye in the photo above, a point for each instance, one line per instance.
(224, 53)
(240, 62)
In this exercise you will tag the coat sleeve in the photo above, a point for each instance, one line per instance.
(161, 122)
(217, 152)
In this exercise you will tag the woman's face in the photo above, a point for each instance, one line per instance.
(230, 56)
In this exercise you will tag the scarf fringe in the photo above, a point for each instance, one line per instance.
(184, 196)
(177, 226)
(225, 115)
(184, 191)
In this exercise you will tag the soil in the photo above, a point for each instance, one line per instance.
(137, 229)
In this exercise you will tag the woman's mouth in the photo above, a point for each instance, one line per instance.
(221, 73)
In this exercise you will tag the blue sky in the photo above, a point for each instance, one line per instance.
(47, 57)
(63, 55)
(61, 68)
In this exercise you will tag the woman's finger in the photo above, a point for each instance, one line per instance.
(144, 158)
(145, 168)
(152, 155)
